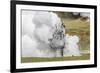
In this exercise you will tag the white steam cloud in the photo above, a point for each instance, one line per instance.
(37, 28)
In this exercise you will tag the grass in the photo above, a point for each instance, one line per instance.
(38, 59)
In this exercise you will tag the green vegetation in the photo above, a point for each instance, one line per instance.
(38, 59)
